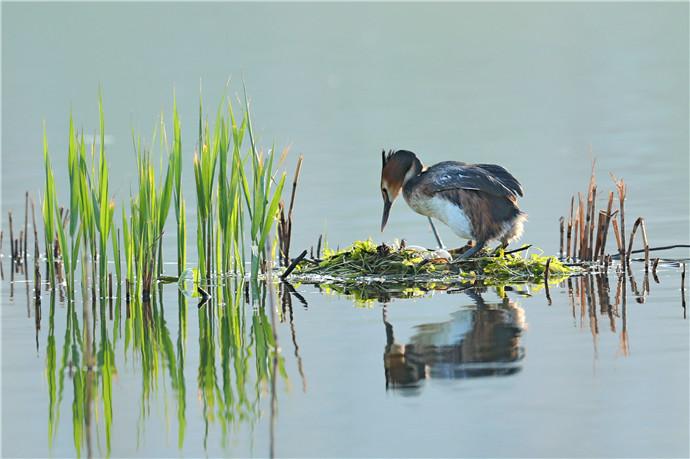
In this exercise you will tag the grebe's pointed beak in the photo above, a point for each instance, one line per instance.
(386, 210)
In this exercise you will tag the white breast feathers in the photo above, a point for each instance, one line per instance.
(442, 209)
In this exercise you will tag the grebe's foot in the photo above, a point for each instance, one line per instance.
(479, 245)
(460, 250)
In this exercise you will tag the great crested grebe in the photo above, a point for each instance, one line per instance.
(477, 201)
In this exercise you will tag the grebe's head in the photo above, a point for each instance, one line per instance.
(397, 168)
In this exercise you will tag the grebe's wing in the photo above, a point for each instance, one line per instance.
(505, 177)
(488, 178)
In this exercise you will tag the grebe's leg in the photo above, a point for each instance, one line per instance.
(470, 253)
(436, 235)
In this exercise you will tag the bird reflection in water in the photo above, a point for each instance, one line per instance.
(479, 340)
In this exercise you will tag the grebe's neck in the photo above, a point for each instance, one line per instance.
(414, 169)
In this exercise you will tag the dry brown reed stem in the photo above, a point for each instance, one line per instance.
(37, 284)
(285, 224)
(282, 234)
(605, 229)
(318, 246)
(591, 203)
(617, 233)
(570, 227)
(620, 187)
(11, 236)
(639, 222)
(561, 222)
(576, 227)
(26, 220)
(600, 226)
(583, 234)
(33, 223)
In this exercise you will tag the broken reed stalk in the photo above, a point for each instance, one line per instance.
(285, 224)
(639, 222)
(570, 226)
(282, 233)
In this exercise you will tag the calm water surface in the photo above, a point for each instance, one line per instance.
(538, 88)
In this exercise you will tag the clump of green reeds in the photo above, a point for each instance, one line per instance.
(238, 191)
(247, 192)
(90, 213)
(149, 211)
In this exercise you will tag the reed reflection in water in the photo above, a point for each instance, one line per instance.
(239, 360)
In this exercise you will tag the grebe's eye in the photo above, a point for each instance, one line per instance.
(384, 193)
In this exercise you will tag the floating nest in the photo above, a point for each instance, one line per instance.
(365, 261)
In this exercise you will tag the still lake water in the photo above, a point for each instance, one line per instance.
(538, 88)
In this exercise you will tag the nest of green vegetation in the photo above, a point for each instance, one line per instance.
(365, 261)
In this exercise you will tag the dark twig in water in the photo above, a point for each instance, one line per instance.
(294, 264)
(652, 249)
